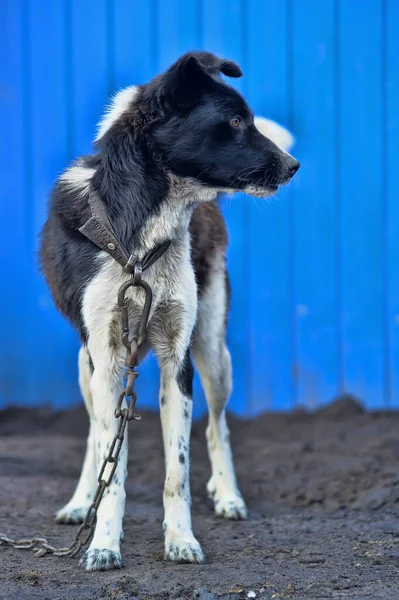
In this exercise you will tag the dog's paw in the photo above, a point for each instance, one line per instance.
(229, 505)
(100, 559)
(71, 514)
(183, 550)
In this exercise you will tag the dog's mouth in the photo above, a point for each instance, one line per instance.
(259, 189)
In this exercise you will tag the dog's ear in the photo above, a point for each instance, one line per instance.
(186, 81)
(215, 65)
(230, 68)
(194, 74)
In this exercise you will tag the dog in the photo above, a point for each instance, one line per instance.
(163, 153)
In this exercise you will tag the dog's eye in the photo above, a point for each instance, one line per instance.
(235, 122)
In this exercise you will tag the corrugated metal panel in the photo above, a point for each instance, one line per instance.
(318, 313)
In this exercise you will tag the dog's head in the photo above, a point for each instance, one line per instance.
(202, 128)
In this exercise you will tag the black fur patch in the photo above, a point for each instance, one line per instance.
(185, 376)
(68, 262)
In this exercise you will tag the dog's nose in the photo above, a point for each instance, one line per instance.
(293, 166)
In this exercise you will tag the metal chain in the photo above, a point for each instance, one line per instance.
(40, 546)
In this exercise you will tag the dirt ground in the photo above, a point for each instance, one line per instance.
(322, 490)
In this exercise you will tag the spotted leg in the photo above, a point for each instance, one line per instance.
(171, 341)
(76, 509)
(106, 382)
(213, 362)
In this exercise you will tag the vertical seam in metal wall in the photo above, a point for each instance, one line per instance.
(247, 221)
(26, 158)
(69, 87)
(27, 127)
(199, 24)
(291, 225)
(110, 41)
(384, 208)
(155, 37)
(338, 211)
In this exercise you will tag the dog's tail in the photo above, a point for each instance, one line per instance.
(276, 133)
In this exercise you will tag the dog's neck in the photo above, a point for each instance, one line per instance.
(172, 220)
(146, 205)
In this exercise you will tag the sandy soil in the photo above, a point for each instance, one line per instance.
(322, 490)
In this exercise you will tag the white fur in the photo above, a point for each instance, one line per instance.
(76, 509)
(78, 176)
(118, 105)
(213, 362)
(258, 191)
(105, 386)
(174, 217)
(176, 410)
(276, 133)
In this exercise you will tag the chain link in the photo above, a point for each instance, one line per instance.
(40, 546)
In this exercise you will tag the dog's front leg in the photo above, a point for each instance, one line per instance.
(172, 333)
(176, 409)
(106, 383)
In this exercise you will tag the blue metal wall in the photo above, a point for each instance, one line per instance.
(319, 312)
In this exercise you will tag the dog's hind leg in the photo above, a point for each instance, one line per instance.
(213, 362)
(76, 509)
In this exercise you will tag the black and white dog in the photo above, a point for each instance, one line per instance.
(163, 153)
